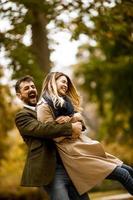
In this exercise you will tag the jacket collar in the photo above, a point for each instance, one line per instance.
(30, 107)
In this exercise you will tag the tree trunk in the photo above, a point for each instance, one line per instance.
(40, 41)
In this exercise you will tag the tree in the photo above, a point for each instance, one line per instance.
(32, 16)
(7, 112)
(107, 69)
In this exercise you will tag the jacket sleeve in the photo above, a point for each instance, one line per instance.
(30, 126)
(45, 114)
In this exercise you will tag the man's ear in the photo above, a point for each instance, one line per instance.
(18, 95)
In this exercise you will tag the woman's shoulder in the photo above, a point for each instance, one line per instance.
(42, 103)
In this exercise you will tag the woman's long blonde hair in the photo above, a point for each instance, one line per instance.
(49, 87)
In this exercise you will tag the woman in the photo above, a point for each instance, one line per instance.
(84, 159)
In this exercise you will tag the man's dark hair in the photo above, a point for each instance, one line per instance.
(22, 79)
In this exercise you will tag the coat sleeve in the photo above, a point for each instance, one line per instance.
(30, 126)
(45, 115)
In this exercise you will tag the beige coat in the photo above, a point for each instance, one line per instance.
(84, 159)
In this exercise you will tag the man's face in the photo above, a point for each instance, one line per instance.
(28, 93)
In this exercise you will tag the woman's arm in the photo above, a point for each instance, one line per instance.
(77, 117)
(44, 114)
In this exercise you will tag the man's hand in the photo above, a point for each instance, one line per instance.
(76, 129)
(63, 119)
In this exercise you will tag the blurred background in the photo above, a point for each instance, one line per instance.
(91, 41)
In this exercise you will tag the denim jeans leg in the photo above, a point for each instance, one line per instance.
(57, 190)
(74, 195)
(123, 176)
(128, 168)
(62, 188)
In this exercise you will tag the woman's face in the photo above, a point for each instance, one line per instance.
(62, 85)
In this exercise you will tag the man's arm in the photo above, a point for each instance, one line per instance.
(30, 126)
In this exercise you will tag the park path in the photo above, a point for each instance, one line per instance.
(124, 196)
(118, 197)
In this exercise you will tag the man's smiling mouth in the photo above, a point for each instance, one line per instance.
(32, 95)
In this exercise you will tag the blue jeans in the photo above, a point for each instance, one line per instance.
(62, 188)
(124, 175)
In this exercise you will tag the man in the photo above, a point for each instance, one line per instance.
(43, 167)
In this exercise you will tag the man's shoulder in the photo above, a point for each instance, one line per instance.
(24, 112)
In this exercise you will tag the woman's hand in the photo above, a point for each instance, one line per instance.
(63, 119)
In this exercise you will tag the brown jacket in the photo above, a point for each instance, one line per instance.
(41, 159)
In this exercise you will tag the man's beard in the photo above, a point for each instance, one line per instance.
(29, 102)
(32, 95)
(32, 103)
(31, 98)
